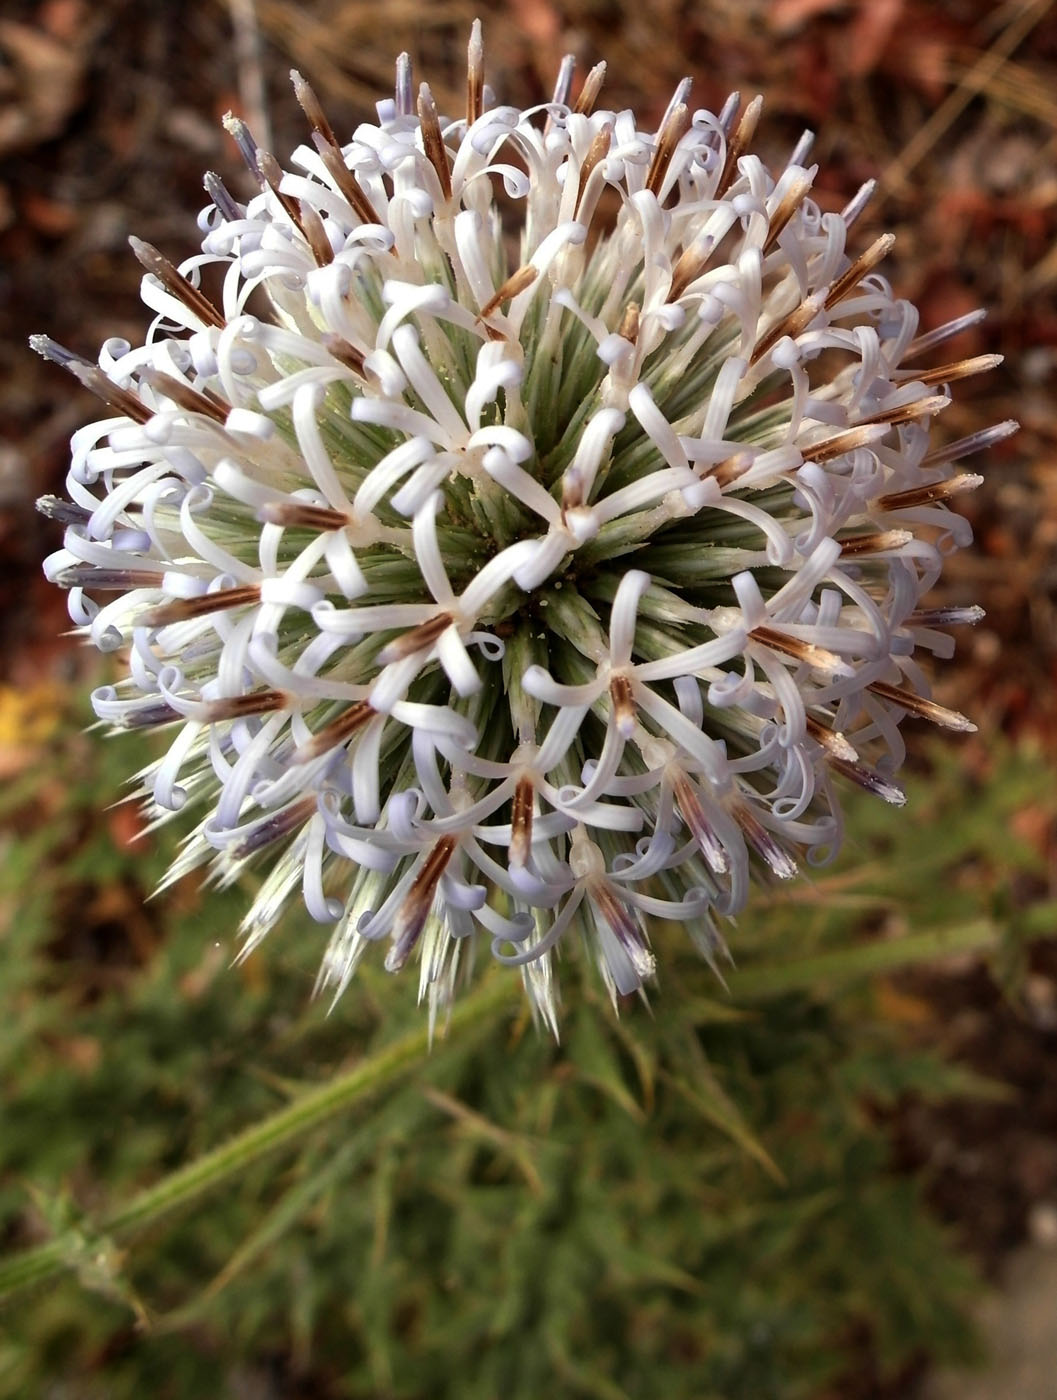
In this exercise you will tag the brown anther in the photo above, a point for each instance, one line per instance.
(345, 181)
(596, 153)
(174, 282)
(864, 264)
(625, 926)
(120, 400)
(792, 325)
(348, 723)
(924, 709)
(260, 702)
(330, 151)
(818, 657)
(55, 353)
(315, 235)
(345, 353)
(185, 609)
(691, 263)
(312, 108)
(763, 842)
(737, 145)
(228, 207)
(907, 412)
(585, 103)
(181, 394)
(474, 74)
(848, 441)
(832, 740)
(624, 711)
(418, 638)
(693, 814)
(275, 826)
(521, 821)
(871, 429)
(868, 780)
(434, 866)
(432, 140)
(878, 542)
(300, 515)
(240, 133)
(629, 323)
(272, 174)
(787, 207)
(946, 617)
(572, 489)
(514, 284)
(154, 712)
(413, 912)
(725, 473)
(961, 369)
(62, 512)
(926, 495)
(675, 128)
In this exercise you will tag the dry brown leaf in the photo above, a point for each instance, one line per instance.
(43, 86)
(538, 19)
(785, 16)
(870, 33)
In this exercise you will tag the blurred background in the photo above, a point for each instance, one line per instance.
(798, 1190)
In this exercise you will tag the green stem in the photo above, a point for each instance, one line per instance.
(77, 1248)
(307, 1112)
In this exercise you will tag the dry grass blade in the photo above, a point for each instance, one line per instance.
(974, 82)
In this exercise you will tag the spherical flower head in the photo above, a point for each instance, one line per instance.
(529, 536)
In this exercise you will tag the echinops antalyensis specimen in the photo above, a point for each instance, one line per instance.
(522, 568)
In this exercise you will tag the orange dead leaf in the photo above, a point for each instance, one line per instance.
(869, 34)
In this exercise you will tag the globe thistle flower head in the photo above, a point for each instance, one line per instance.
(530, 535)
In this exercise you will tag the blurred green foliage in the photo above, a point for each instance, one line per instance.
(693, 1200)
